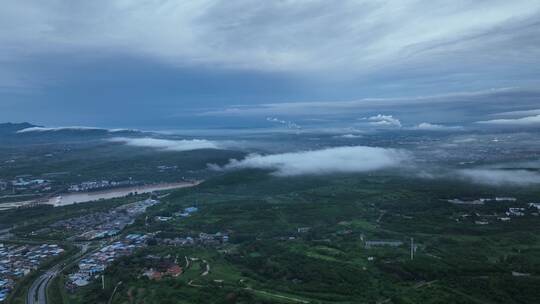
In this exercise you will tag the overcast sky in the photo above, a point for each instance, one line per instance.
(163, 64)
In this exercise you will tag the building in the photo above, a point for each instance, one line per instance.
(515, 212)
(187, 212)
(303, 229)
(380, 243)
(174, 271)
(163, 218)
(17, 261)
(505, 199)
(535, 205)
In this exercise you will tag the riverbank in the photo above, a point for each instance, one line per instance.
(83, 197)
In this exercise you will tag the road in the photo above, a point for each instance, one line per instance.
(207, 271)
(5, 233)
(37, 294)
(277, 295)
(114, 291)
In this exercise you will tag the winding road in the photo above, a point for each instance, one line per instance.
(37, 294)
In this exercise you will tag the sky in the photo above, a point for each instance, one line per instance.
(162, 64)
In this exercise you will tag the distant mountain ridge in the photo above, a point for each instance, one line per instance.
(27, 133)
(10, 127)
(26, 127)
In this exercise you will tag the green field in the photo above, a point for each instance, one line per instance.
(268, 261)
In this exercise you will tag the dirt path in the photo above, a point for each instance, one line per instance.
(276, 295)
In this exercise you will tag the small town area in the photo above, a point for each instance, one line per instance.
(92, 265)
(17, 261)
(100, 224)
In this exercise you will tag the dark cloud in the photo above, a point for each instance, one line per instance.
(170, 57)
(446, 112)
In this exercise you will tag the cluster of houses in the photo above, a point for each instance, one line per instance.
(164, 168)
(480, 201)
(184, 213)
(510, 213)
(103, 184)
(210, 239)
(520, 211)
(535, 206)
(93, 265)
(213, 238)
(16, 261)
(383, 243)
(104, 224)
(515, 212)
(479, 219)
(162, 267)
(24, 183)
(533, 209)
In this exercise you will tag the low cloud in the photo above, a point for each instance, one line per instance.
(360, 106)
(426, 126)
(74, 128)
(287, 124)
(523, 121)
(349, 136)
(519, 113)
(500, 177)
(331, 160)
(166, 144)
(384, 121)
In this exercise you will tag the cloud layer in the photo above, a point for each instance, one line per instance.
(381, 120)
(74, 128)
(522, 121)
(325, 161)
(117, 59)
(285, 123)
(359, 37)
(500, 177)
(167, 145)
(350, 136)
(451, 108)
(426, 126)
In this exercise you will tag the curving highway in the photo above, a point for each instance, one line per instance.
(37, 294)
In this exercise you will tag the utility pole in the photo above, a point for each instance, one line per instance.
(412, 249)
(103, 281)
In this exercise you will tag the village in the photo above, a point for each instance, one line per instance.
(100, 185)
(17, 261)
(105, 225)
(103, 232)
(479, 218)
(480, 201)
(100, 224)
(25, 183)
(92, 265)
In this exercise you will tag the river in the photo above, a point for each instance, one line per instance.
(83, 197)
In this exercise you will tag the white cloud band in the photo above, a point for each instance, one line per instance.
(325, 161)
(426, 126)
(166, 144)
(523, 121)
(500, 177)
